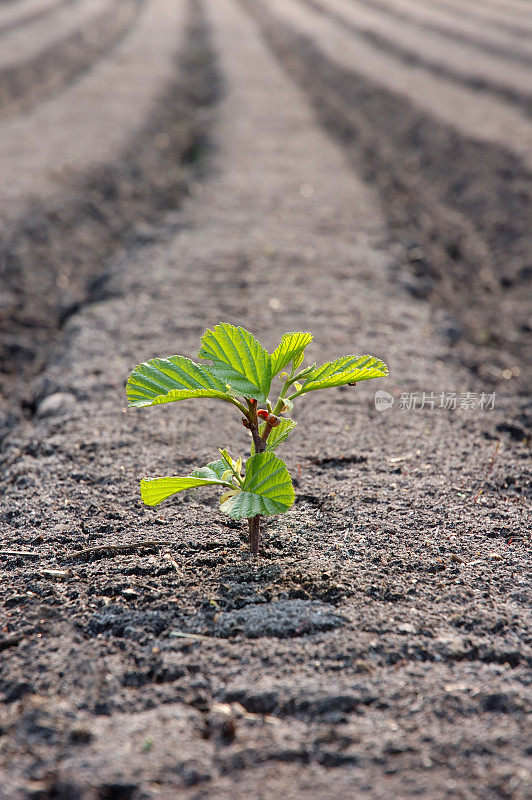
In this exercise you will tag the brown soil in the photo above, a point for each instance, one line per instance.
(379, 646)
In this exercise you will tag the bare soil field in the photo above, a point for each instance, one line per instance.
(281, 165)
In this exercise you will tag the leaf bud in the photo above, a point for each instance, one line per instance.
(262, 413)
(273, 421)
(245, 423)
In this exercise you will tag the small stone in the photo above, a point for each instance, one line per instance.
(406, 627)
(36, 790)
(56, 403)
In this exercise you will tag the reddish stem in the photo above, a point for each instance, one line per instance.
(254, 534)
(260, 447)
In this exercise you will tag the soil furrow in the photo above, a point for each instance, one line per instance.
(29, 13)
(515, 24)
(467, 249)
(475, 114)
(431, 18)
(90, 122)
(32, 39)
(436, 54)
(55, 68)
(74, 234)
(378, 646)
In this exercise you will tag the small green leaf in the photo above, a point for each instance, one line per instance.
(230, 462)
(154, 490)
(267, 489)
(213, 471)
(292, 347)
(227, 495)
(166, 380)
(238, 359)
(306, 371)
(277, 435)
(348, 369)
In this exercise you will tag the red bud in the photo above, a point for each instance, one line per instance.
(253, 401)
(262, 413)
(245, 422)
(273, 421)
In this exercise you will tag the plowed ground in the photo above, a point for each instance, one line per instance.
(358, 169)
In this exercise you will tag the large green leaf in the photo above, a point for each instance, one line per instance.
(238, 359)
(277, 435)
(292, 347)
(154, 490)
(348, 369)
(267, 489)
(165, 380)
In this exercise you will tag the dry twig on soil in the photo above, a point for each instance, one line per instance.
(114, 549)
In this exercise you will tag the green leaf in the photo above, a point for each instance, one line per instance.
(277, 435)
(348, 369)
(229, 461)
(154, 490)
(292, 347)
(306, 371)
(238, 359)
(165, 380)
(267, 489)
(213, 471)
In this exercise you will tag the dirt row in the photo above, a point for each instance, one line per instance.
(515, 19)
(455, 61)
(465, 250)
(53, 68)
(475, 114)
(20, 14)
(90, 211)
(379, 647)
(492, 38)
(25, 43)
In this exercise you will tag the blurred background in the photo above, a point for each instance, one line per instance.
(430, 99)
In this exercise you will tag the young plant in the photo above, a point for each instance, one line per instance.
(240, 373)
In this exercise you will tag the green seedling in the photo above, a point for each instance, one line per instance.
(240, 372)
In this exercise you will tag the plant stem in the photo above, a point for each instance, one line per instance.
(260, 444)
(260, 447)
(266, 432)
(254, 534)
(280, 402)
(235, 402)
